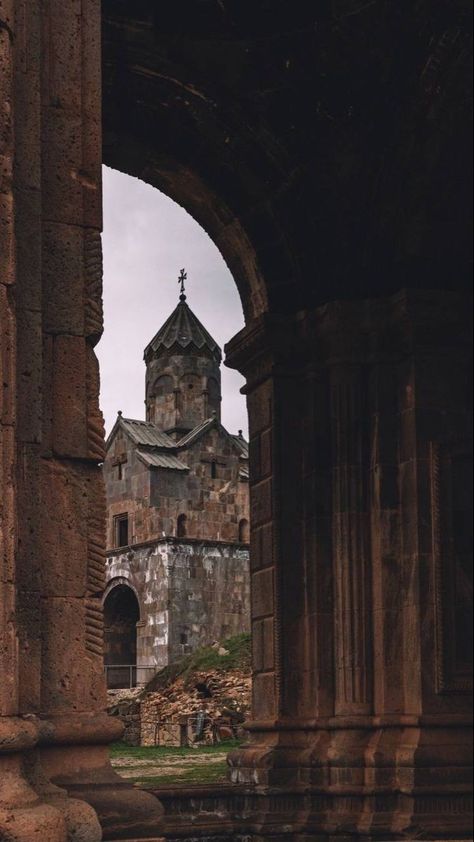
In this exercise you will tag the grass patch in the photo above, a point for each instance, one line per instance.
(155, 752)
(184, 774)
(217, 773)
(206, 658)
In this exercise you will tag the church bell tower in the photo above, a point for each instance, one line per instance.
(183, 380)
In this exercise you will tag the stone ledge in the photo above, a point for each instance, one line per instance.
(246, 814)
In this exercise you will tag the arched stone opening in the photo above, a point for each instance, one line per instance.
(121, 615)
(244, 531)
(297, 234)
(181, 526)
(333, 165)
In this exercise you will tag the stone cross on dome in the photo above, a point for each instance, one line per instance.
(182, 278)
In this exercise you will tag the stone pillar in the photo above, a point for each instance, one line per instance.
(24, 812)
(54, 730)
(351, 539)
(360, 452)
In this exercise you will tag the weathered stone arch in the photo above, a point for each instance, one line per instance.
(191, 192)
(163, 385)
(330, 168)
(121, 616)
(122, 580)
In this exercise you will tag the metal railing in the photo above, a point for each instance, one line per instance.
(123, 676)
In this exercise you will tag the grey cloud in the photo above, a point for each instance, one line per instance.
(147, 239)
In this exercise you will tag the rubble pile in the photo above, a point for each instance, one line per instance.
(126, 704)
(222, 698)
(203, 698)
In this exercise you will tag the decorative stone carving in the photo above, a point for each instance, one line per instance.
(95, 420)
(351, 542)
(94, 318)
(373, 410)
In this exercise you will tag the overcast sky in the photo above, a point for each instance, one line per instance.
(147, 239)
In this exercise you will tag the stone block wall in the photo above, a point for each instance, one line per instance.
(214, 506)
(190, 594)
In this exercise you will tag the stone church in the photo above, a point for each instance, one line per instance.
(177, 511)
(326, 148)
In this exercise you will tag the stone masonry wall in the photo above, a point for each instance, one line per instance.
(154, 499)
(213, 506)
(190, 594)
(182, 390)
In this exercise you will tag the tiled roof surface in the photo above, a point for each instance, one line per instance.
(161, 460)
(154, 447)
(190, 437)
(146, 433)
(184, 329)
(198, 431)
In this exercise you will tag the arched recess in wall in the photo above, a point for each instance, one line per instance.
(190, 394)
(244, 531)
(213, 397)
(121, 615)
(160, 396)
(181, 526)
(162, 386)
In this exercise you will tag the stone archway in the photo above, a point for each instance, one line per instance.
(336, 433)
(121, 615)
(330, 172)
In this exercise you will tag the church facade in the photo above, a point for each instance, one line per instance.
(177, 570)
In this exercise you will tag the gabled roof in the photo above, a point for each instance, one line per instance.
(184, 331)
(143, 433)
(198, 431)
(206, 425)
(155, 459)
(157, 450)
(242, 445)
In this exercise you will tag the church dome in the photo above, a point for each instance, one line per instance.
(182, 333)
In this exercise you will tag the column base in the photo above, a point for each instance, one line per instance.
(23, 815)
(364, 779)
(124, 811)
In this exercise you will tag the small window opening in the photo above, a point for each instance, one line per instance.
(119, 470)
(183, 638)
(244, 531)
(181, 526)
(121, 530)
(214, 470)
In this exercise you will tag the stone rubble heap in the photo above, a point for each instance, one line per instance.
(126, 705)
(220, 695)
(224, 697)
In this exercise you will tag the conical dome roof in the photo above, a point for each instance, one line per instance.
(183, 333)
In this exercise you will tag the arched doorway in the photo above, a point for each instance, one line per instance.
(121, 615)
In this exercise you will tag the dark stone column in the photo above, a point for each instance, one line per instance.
(53, 727)
(360, 452)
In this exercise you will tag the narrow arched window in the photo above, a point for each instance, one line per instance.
(244, 531)
(181, 526)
